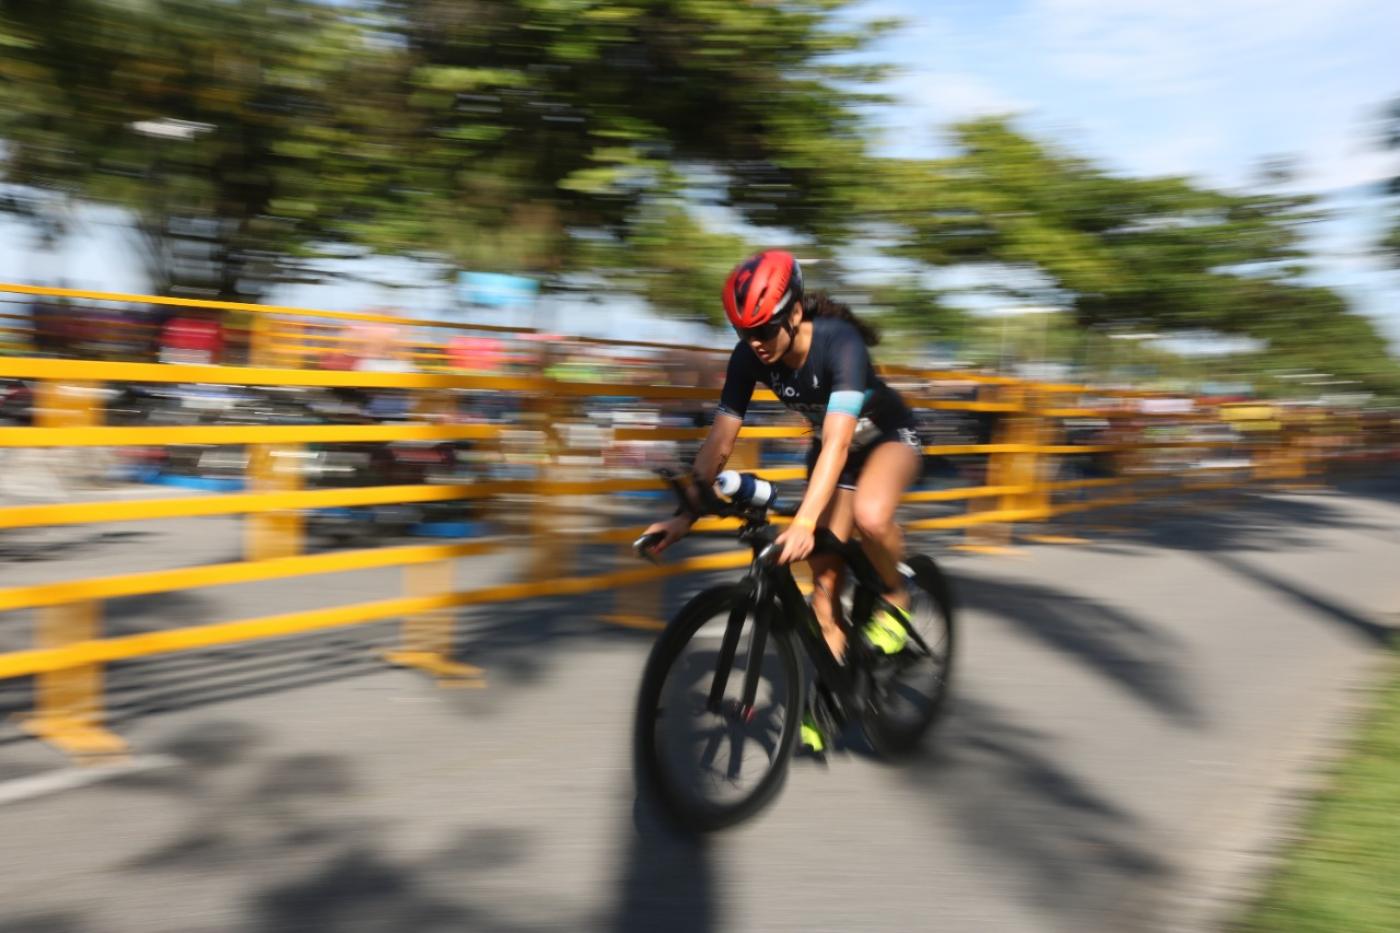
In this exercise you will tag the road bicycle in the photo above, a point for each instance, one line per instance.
(724, 690)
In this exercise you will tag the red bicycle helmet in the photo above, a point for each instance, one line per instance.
(762, 287)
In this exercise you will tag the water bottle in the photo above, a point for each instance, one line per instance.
(745, 488)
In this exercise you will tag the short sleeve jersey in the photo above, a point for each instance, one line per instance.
(836, 376)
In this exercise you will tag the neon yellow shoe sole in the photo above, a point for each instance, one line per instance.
(812, 738)
(885, 633)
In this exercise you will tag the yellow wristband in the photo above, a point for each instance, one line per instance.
(804, 522)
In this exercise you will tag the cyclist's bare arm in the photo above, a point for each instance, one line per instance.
(718, 446)
(713, 455)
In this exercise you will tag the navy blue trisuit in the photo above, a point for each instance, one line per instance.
(836, 376)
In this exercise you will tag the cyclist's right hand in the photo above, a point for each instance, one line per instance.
(672, 530)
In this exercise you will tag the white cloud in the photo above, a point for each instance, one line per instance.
(929, 100)
(1343, 162)
(1187, 46)
(1204, 88)
(1179, 153)
(956, 96)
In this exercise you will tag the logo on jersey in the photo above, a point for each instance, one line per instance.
(780, 388)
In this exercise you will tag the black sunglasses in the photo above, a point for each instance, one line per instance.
(763, 332)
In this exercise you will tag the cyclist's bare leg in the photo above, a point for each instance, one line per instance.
(888, 473)
(826, 572)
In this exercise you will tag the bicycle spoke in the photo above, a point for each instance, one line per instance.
(736, 753)
(707, 757)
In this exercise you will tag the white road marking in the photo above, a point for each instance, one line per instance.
(52, 782)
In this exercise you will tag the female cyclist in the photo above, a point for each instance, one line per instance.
(811, 351)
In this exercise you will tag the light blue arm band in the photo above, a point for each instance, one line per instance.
(846, 402)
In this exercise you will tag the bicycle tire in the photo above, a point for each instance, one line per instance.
(894, 736)
(653, 777)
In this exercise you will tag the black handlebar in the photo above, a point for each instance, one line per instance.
(712, 504)
(643, 545)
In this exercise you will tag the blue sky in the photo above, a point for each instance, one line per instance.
(1204, 88)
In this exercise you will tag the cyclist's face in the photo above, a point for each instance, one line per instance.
(771, 340)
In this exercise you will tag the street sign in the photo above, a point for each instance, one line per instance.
(497, 290)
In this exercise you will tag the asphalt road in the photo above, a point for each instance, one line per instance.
(1133, 721)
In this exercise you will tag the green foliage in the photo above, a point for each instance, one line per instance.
(643, 140)
(566, 115)
(1341, 874)
(238, 134)
(675, 262)
(489, 133)
(905, 307)
(1157, 253)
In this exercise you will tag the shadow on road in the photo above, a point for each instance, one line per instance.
(45, 923)
(667, 881)
(1235, 520)
(1075, 852)
(314, 867)
(34, 545)
(1368, 629)
(1140, 659)
(149, 686)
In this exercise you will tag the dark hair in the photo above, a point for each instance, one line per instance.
(820, 304)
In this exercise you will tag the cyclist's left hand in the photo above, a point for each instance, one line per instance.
(797, 543)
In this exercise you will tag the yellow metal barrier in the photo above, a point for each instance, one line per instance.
(69, 650)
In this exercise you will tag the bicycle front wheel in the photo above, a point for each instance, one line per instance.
(708, 757)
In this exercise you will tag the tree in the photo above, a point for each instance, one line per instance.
(247, 137)
(1390, 139)
(573, 126)
(239, 135)
(1159, 253)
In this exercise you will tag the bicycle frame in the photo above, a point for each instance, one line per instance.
(771, 586)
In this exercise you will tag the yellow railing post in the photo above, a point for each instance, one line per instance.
(551, 552)
(272, 468)
(68, 702)
(1036, 469)
(427, 636)
(643, 606)
(995, 537)
(1027, 467)
(293, 344)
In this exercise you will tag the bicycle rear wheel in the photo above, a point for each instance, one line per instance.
(708, 760)
(911, 688)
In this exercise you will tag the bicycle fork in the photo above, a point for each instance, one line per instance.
(762, 604)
